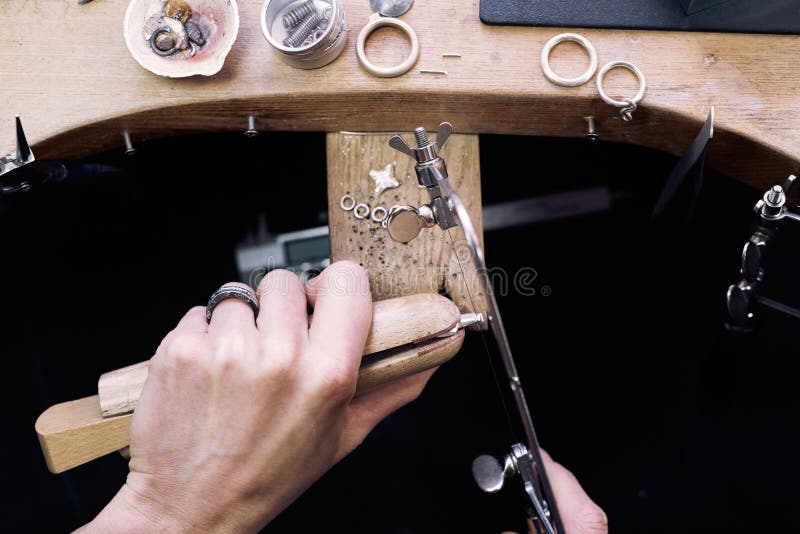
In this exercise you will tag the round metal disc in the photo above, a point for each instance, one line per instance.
(403, 223)
(391, 8)
(488, 473)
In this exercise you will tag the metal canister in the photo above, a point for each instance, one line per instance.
(280, 20)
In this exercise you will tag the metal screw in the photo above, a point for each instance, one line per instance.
(591, 129)
(130, 150)
(775, 195)
(421, 136)
(789, 183)
(251, 126)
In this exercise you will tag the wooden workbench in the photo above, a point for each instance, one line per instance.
(65, 69)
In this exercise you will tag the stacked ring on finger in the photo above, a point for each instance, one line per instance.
(231, 292)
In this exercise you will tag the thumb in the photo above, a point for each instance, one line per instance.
(578, 512)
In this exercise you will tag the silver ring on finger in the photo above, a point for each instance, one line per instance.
(231, 292)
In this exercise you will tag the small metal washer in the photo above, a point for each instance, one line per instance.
(347, 202)
(574, 38)
(627, 101)
(379, 213)
(363, 213)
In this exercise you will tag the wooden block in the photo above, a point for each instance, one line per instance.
(426, 264)
(73, 433)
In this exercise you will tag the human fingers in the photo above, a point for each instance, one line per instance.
(232, 314)
(193, 321)
(579, 513)
(283, 308)
(339, 327)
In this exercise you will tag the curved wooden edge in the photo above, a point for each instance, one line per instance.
(75, 102)
(409, 319)
(741, 152)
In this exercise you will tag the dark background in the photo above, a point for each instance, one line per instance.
(670, 423)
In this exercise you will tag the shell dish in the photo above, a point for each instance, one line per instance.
(202, 31)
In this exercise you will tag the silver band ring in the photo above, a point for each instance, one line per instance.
(375, 22)
(584, 43)
(625, 103)
(347, 202)
(231, 292)
(379, 214)
(361, 211)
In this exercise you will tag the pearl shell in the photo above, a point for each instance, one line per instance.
(217, 21)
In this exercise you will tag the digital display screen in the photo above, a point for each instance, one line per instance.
(305, 250)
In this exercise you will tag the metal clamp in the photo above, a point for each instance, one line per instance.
(430, 168)
(584, 43)
(375, 22)
(628, 105)
(741, 298)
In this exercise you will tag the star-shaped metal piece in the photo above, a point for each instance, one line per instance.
(384, 179)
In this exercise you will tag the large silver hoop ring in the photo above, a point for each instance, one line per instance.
(626, 102)
(375, 22)
(584, 43)
(231, 292)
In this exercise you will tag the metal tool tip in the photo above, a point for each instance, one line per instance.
(23, 149)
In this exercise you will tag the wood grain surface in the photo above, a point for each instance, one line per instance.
(433, 262)
(66, 71)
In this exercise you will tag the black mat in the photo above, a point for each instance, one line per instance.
(739, 16)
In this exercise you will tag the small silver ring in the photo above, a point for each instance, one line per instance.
(231, 292)
(625, 102)
(584, 43)
(363, 213)
(347, 202)
(379, 210)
